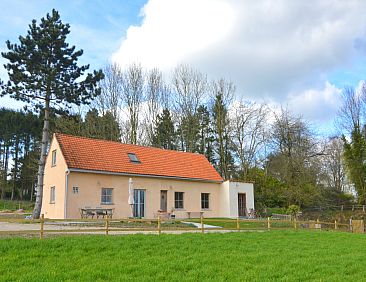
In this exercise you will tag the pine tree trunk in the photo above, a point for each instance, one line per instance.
(15, 168)
(42, 161)
(6, 166)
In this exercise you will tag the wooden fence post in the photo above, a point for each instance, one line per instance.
(42, 227)
(341, 207)
(237, 223)
(202, 225)
(268, 223)
(350, 224)
(159, 225)
(335, 225)
(363, 208)
(107, 226)
(295, 223)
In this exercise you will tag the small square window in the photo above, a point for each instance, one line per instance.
(133, 158)
(106, 197)
(52, 194)
(53, 163)
(75, 190)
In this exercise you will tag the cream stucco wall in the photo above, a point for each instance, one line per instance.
(229, 197)
(90, 186)
(54, 176)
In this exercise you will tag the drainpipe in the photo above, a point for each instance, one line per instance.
(66, 188)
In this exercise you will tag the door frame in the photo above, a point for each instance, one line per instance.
(136, 210)
(242, 208)
(162, 192)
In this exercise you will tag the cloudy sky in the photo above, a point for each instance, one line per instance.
(296, 53)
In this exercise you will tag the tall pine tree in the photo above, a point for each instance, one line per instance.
(43, 72)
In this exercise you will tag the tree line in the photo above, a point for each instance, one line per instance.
(183, 110)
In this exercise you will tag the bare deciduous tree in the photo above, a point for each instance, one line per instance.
(190, 88)
(132, 96)
(250, 132)
(335, 175)
(110, 99)
(157, 99)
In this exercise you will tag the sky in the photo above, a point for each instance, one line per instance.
(299, 54)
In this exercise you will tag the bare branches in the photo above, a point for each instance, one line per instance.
(250, 132)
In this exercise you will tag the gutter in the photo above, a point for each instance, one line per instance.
(66, 188)
(142, 175)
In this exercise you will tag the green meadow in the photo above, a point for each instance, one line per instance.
(255, 256)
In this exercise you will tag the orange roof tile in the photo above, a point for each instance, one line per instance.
(100, 155)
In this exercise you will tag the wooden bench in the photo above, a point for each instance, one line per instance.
(192, 214)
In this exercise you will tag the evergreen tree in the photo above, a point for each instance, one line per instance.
(164, 133)
(205, 135)
(355, 160)
(223, 148)
(43, 72)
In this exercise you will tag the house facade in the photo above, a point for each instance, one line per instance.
(136, 181)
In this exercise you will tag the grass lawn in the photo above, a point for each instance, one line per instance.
(27, 206)
(257, 256)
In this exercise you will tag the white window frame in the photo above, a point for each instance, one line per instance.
(106, 196)
(53, 161)
(52, 195)
(176, 201)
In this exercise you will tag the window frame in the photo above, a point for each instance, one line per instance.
(178, 203)
(53, 157)
(52, 194)
(105, 196)
(205, 201)
(75, 190)
(133, 158)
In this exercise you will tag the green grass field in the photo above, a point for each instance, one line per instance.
(256, 256)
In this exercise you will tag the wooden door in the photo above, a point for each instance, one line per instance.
(242, 204)
(164, 200)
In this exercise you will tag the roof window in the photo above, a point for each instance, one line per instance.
(133, 158)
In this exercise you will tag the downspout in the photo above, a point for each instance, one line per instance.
(66, 188)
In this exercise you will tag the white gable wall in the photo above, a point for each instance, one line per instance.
(229, 197)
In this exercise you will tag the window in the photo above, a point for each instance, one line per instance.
(52, 194)
(178, 200)
(205, 199)
(106, 198)
(75, 190)
(133, 158)
(53, 158)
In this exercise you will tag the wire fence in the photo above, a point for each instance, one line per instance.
(48, 227)
(337, 208)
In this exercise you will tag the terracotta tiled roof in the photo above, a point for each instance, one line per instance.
(100, 155)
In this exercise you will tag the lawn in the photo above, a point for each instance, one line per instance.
(258, 256)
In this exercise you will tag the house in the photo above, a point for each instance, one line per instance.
(83, 174)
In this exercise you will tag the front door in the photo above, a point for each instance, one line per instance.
(163, 200)
(242, 200)
(139, 203)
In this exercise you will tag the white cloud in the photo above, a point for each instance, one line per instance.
(318, 105)
(174, 30)
(268, 48)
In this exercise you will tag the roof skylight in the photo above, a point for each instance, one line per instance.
(133, 158)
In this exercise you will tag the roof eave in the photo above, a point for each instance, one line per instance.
(143, 175)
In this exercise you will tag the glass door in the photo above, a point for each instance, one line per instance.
(139, 203)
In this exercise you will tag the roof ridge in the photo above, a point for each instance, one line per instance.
(120, 143)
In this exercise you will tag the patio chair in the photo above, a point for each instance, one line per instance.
(89, 212)
(100, 212)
